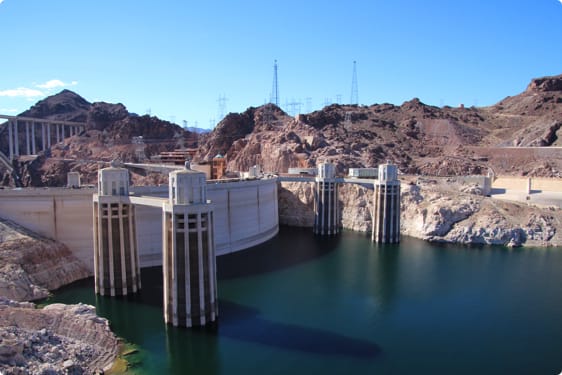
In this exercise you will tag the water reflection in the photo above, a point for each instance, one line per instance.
(386, 271)
(190, 352)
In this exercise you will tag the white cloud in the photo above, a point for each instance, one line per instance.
(8, 110)
(39, 90)
(21, 92)
(3, 0)
(55, 83)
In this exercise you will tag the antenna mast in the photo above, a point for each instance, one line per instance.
(275, 88)
(354, 90)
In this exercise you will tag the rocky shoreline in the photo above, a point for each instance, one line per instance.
(69, 339)
(58, 338)
(437, 211)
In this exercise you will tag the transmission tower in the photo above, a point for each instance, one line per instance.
(275, 87)
(308, 104)
(354, 90)
(347, 121)
(222, 106)
(294, 107)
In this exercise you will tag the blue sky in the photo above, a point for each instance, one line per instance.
(175, 59)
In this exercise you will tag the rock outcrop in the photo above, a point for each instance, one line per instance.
(31, 265)
(58, 339)
(553, 83)
(296, 204)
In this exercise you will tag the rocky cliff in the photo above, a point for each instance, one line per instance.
(31, 265)
(437, 211)
(433, 212)
(57, 339)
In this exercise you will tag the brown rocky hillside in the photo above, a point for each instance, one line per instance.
(419, 138)
(519, 136)
(110, 129)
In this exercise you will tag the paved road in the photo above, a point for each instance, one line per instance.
(548, 198)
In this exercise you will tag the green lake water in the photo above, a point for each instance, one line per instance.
(302, 304)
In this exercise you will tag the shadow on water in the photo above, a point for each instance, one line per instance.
(244, 323)
(293, 246)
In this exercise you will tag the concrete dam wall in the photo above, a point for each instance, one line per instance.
(246, 214)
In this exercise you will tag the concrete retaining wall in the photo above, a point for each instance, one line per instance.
(546, 184)
(62, 214)
(246, 214)
(524, 184)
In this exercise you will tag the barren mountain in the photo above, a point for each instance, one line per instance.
(518, 135)
(110, 132)
(419, 138)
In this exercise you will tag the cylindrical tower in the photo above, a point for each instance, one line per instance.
(326, 201)
(386, 212)
(116, 260)
(189, 265)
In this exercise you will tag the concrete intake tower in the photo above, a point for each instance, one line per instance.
(386, 210)
(326, 218)
(116, 258)
(189, 265)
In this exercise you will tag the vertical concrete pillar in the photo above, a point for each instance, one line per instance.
(49, 135)
(43, 136)
(58, 133)
(116, 260)
(386, 206)
(189, 265)
(326, 214)
(33, 148)
(27, 139)
(62, 132)
(16, 139)
(10, 140)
